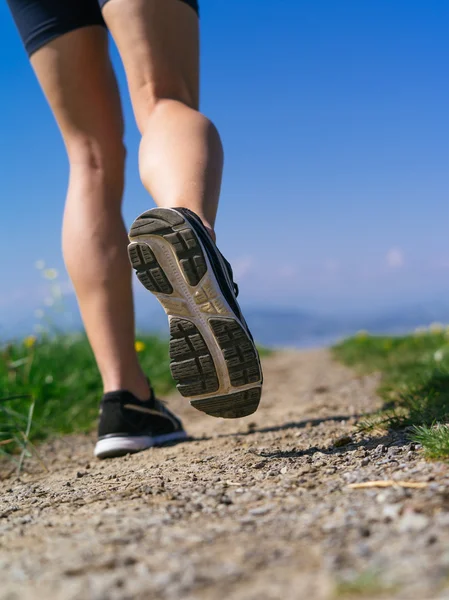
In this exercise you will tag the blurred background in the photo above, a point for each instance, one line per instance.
(335, 203)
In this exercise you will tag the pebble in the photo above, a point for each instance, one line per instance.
(392, 511)
(413, 522)
(260, 465)
(273, 473)
(393, 450)
(261, 510)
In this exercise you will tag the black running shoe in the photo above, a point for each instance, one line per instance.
(128, 425)
(214, 360)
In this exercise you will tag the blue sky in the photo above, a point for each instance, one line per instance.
(335, 121)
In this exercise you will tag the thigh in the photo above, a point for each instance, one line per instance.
(78, 80)
(41, 21)
(158, 43)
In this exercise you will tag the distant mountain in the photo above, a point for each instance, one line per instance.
(403, 319)
(271, 326)
(278, 327)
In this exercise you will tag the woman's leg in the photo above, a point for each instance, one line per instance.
(213, 357)
(181, 156)
(76, 75)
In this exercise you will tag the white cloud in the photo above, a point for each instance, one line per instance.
(395, 258)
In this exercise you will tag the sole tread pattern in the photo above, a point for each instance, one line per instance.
(238, 351)
(195, 361)
(191, 365)
(183, 241)
(232, 406)
(149, 271)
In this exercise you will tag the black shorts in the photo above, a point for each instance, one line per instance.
(40, 21)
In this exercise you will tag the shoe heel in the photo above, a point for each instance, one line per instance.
(231, 406)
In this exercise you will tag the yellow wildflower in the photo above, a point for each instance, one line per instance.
(139, 346)
(29, 341)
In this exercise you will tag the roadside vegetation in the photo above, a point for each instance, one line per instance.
(415, 382)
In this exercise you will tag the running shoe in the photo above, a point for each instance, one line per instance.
(214, 360)
(128, 425)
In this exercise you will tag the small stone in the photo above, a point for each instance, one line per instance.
(260, 465)
(80, 474)
(261, 510)
(342, 441)
(284, 470)
(413, 522)
(25, 520)
(225, 500)
(391, 512)
(365, 461)
(393, 450)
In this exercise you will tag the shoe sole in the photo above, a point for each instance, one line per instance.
(119, 446)
(213, 359)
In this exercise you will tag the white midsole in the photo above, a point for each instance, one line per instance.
(181, 304)
(135, 443)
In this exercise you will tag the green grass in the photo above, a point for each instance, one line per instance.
(366, 584)
(51, 385)
(415, 382)
(58, 377)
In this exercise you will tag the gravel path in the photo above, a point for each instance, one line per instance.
(253, 509)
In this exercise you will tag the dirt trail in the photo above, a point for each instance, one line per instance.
(254, 509)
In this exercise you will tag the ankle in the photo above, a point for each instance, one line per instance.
(211, 232)
(137, 385)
